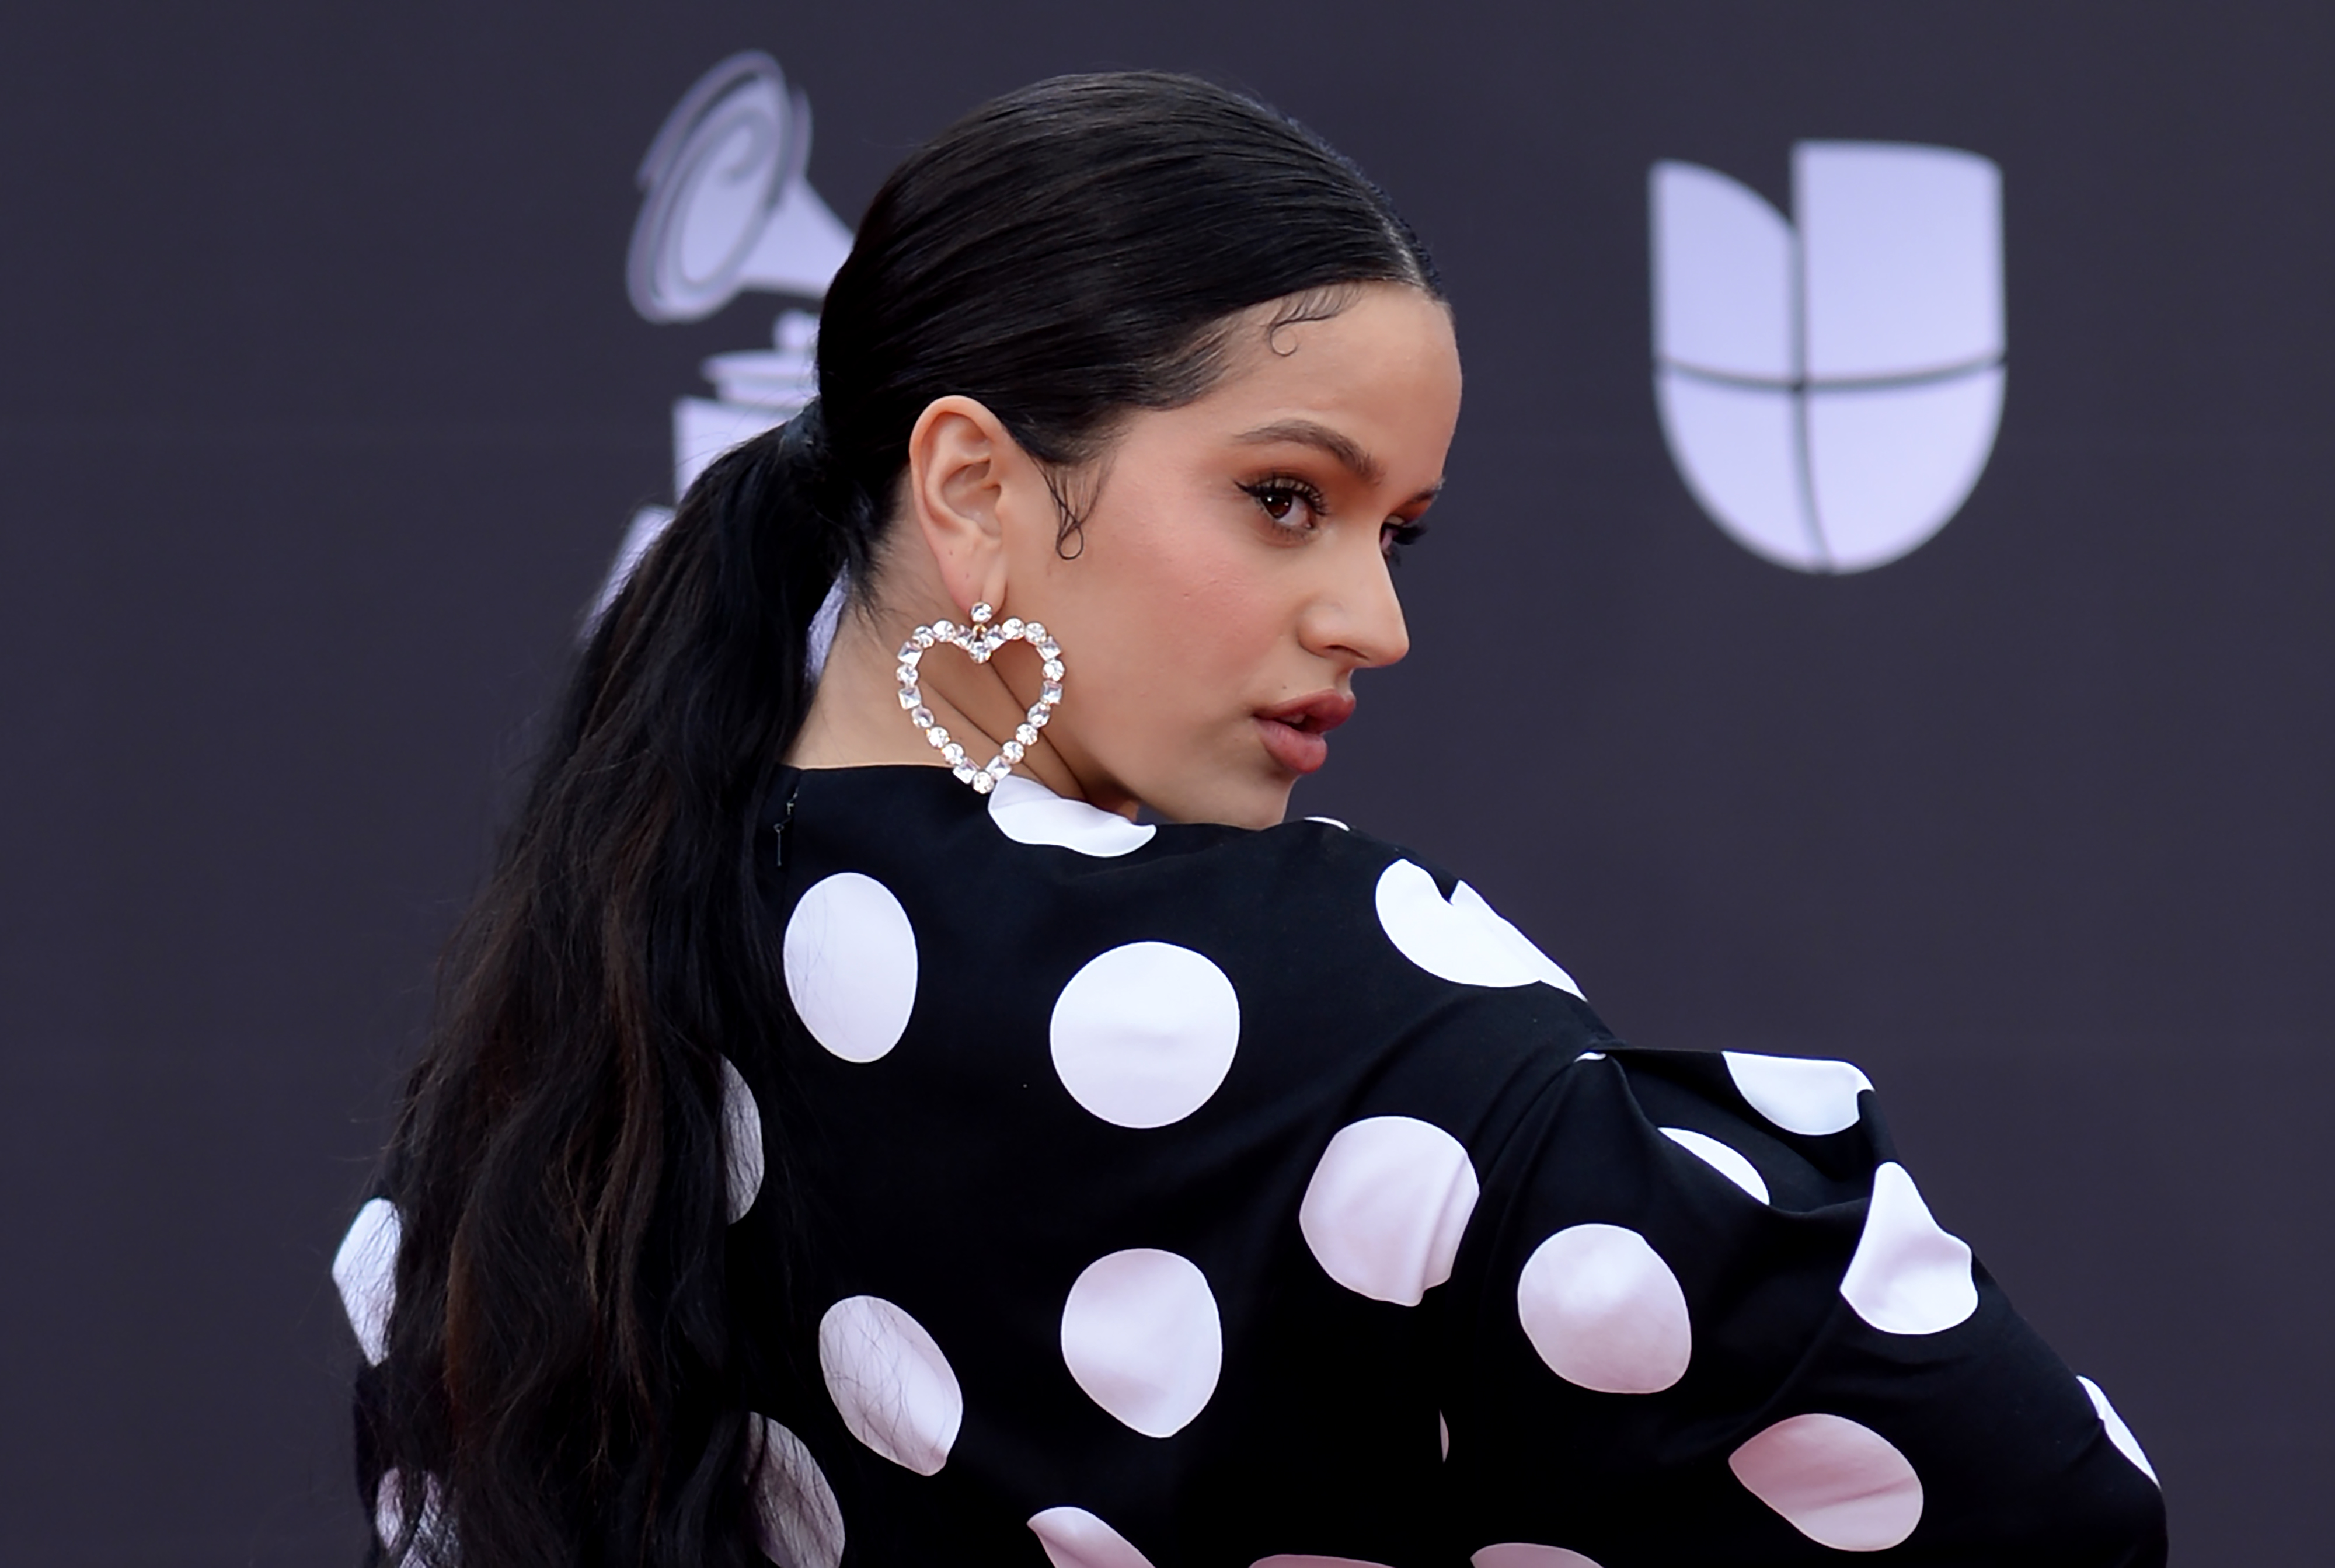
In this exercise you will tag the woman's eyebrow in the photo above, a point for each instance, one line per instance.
(1322, 438)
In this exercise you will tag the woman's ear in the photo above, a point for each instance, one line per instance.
(961, 465)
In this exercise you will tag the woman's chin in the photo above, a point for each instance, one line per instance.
(1258, 802)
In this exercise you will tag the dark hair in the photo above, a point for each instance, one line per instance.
(560, 1367)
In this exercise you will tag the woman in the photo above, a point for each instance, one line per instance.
(852, 1135)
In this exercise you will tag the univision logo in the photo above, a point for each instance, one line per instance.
(1830, 386)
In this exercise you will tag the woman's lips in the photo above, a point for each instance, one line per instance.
(1296, 734)
(1299, 751)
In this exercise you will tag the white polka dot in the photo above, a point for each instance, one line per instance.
(1841, 1485)
(1308, 1560)
(1464, 941)
(1387, 1205)
(1330, 822)
(1027, 812)
(741, 1141)
(890, 1382)
(797, 1520)
(1604, 1312)
(1799, 1094)
(2119, 1433)
(1519, 1554)
(1141, 1336)
(1908, 1276)
(851, 965)
(1144, 1033)
(1074, 1538)
(433, 1539)
(1721, 1157)
(365, 1271)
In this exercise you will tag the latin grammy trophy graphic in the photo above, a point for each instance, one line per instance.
(726, 208)
(1830, 386)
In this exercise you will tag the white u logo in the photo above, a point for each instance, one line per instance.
(1830, 387)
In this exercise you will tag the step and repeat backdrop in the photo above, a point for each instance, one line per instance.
(1884, 607)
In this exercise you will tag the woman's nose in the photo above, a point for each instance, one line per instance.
(1357, 617)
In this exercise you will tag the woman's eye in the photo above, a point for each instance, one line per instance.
(1395, 535)
(1294, 507)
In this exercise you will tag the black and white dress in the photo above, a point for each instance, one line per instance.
(1200, 1197)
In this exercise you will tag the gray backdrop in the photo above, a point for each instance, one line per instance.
(321, 409)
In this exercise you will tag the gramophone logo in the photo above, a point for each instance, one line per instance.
(1830, 386)
(725, 210)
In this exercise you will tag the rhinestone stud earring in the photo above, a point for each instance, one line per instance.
(980, 640)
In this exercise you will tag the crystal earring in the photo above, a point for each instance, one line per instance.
(979, 641)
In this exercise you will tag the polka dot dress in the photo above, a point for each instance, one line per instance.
(1188, 1196)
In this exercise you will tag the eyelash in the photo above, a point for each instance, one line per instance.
(1397, 535)
(1285, 487)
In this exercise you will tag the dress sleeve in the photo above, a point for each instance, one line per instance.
(1702, 1314)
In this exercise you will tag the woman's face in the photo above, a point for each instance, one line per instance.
(1232, 571)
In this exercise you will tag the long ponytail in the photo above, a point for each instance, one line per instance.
(560, 1356)
(561, 1387)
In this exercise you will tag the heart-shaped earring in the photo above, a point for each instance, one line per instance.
(979, 641)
